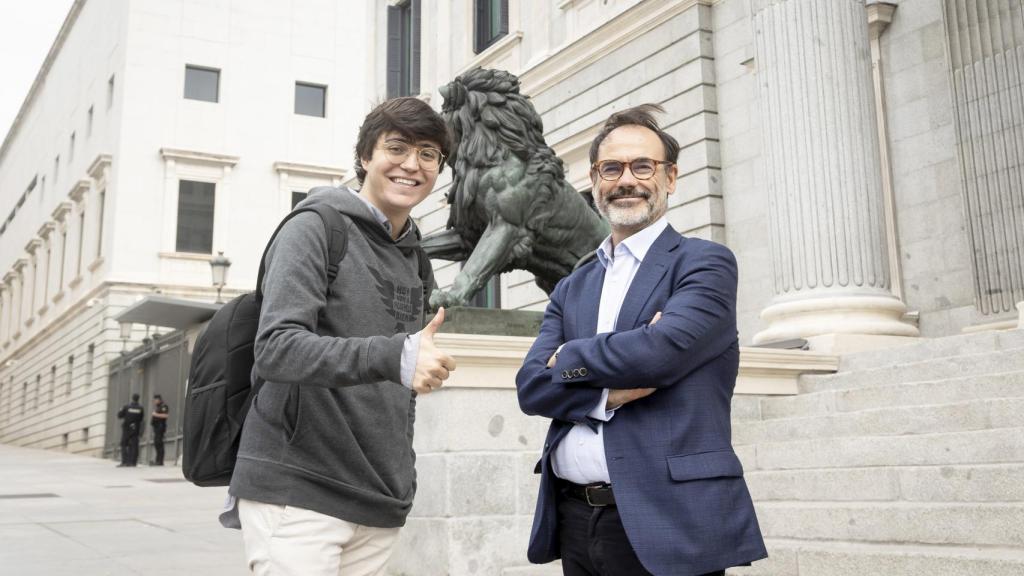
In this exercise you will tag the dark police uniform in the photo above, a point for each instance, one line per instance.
(131, 424)
(159, 429)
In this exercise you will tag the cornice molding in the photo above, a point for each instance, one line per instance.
(33, 245)
(60, 211)
(309, 169)
(194, 156)
(101, 162)
(45, 229)
(601, 41)
(78, 191)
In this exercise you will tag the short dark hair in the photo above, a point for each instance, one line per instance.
(642, 115)
(135, 397)
(157, 397)
(411, 117)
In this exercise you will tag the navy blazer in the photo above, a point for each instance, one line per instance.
(678, 484)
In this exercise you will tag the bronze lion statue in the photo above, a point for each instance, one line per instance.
(511, 207)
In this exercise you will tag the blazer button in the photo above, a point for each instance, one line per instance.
(566, 375)
(583, 371)
(576, 373)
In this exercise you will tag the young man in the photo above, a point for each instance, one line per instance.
(635, 364)
(158, 420)
(325, 473)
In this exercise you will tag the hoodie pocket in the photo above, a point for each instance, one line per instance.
(292, 412)
(704, 465)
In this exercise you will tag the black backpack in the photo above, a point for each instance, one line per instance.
(220, 388)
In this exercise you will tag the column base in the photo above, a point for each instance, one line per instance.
(847, 315)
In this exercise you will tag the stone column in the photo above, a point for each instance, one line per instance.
(831, 272)
(5, 312)
(31, 285)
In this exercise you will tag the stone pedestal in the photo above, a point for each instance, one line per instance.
(831, 271)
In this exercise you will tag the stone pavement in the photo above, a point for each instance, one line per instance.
(62, 514)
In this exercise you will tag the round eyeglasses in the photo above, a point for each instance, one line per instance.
(397, 152)
(641, 168)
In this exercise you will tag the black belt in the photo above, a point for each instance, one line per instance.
(596, 495)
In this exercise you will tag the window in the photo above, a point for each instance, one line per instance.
(99, 231)
(53, 382)
(491, 22)
(110, 92)
(195, 217)
(310, 99)
(88, 123)
(298, 197)
(64, 442)
(85, 434)
(202, 83)
(71, 149)
(71, 370)
(81, 243)
(56, 168)
(39, 392)
(90, 356)
(489, 296)
(24, 397)
(63, 252)
(403, 74)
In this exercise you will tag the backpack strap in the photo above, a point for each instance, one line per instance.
(336, 230)
(426, 277)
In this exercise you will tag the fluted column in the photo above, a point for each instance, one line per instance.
(824, 180)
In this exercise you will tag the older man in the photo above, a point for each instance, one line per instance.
(635, 364)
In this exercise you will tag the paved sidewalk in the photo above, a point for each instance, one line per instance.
(62, 514)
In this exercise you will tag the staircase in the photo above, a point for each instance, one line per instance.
(908, 461)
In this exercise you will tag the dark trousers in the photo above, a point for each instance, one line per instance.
(130, 446)
(594, 543)
(158, 444)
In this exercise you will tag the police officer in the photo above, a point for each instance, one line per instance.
(158, 420)
(131, 424)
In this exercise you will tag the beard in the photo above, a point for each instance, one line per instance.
(641, 214)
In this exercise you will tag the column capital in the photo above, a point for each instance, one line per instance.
(33, 245)
(879, 17)
(79, 190)
(46, 229)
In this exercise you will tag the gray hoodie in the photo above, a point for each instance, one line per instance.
(331, 428)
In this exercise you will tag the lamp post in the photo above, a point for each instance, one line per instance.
(219, 265)
(126, 333)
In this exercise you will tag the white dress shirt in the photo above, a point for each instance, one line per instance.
(579, 457)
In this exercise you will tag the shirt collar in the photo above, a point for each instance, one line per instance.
(381, 218)
(636, 245)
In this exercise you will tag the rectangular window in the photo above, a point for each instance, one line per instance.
(99, 230)
(53, 382)
(85, 434)
(310, 99)
(71, 149)
(90, 356)
(63, 258)
(202, 83)
(491, 22)
(81, 243)
(39, 392)
(56, 168)
(195, 217)
(110, 92)
(88, 123)
(24, 397)
(64, 442)
(298, 197)
(71, 371)
(403, 73)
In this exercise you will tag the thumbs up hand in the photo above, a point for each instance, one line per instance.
(432, 365)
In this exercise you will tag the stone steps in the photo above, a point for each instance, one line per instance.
(922, 371)
(808, 558)
(984, 414)
(951, 483)
(995, 385)
(929, 349)
(1004, 445)
(957, 524)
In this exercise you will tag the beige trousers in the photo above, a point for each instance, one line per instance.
(287, 541)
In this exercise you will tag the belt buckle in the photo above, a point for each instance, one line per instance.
(586, 493)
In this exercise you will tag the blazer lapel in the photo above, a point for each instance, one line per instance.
(647, 278)
(589, 301)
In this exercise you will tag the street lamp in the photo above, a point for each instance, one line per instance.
(126, 333)
(219, 265)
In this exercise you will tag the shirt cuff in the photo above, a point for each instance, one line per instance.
(410, 352)
(600, 412)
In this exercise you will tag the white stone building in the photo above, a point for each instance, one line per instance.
(863, 159)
